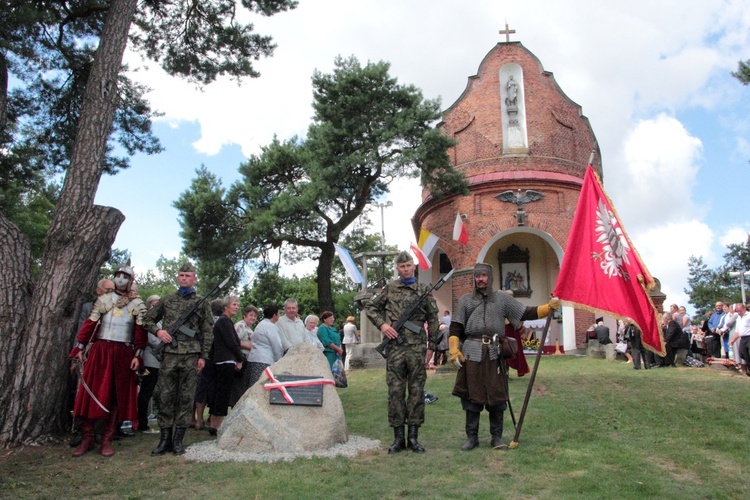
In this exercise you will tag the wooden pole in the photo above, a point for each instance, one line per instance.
(514, 443)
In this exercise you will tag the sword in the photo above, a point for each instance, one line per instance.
(79, 369)
(504, 367)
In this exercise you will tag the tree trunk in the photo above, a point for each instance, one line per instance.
(325, 264)
(15, 299)
(3, 93)
(79, 238)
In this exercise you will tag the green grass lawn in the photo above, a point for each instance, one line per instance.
(594, 429)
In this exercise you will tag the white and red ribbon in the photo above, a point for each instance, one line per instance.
(281, 386)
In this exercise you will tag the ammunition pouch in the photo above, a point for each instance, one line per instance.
(185, 330)
(412, 327)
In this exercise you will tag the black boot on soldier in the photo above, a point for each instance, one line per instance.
(399, 443)
(165, 442)
(496, 429)
(413, 444)
(472, 431)
(177, 447)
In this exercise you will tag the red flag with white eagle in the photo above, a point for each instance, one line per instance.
(601, 270)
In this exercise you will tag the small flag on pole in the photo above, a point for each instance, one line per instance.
(459, 230)
(351, 268)
(427, 241)
(424, 262)
(601, 270)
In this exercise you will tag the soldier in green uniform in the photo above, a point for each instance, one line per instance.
(406, 362)
(181, 364)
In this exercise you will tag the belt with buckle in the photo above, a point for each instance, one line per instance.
(484, 339)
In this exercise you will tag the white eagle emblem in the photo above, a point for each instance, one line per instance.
(614, 245)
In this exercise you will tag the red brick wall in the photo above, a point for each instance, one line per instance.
(560, 140)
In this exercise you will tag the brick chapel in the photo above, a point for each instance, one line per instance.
(524, 146)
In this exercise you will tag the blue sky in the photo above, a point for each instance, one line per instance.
(652, 77)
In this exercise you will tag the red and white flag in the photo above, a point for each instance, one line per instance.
(422, 260)
(459, 230)
(601, 270)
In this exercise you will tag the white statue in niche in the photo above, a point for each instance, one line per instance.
(512, 88)
(513, 108)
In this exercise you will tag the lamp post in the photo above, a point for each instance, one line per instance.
(742, 275)
(382, 222)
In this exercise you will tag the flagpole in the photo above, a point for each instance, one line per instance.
(514, 443)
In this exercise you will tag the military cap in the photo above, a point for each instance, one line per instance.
(403, 256)
(187, 267)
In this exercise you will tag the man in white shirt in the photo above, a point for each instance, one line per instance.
(446, 319)
(290, 327)
(743, 332)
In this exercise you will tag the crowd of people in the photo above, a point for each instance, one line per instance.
(189, 356)
(723, 334)
(181, 356)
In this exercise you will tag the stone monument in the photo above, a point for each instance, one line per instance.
(257, 426)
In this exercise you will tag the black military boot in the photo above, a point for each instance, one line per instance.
(413, 444)
(496, 430)
(399, 443)
(165, 442)
(472, 431)
(179, 434)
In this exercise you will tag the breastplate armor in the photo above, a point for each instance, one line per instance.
(116, 325)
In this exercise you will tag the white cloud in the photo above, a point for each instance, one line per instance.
(654, 180)
(734, 235)
(665, 250)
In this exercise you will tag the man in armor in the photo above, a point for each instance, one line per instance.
(406, 362)
(182, 362)
(480, 383)
(115, 330)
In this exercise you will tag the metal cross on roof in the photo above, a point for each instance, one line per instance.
(507, 32)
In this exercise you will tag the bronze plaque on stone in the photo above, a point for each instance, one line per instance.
(311, 395)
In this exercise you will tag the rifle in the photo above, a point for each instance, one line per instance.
(403, 321)
(179, 326)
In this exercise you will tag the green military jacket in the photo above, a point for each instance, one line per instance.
(388, 305)
(169, 309)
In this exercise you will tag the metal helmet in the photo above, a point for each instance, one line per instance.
(125, 269)
(481, 267)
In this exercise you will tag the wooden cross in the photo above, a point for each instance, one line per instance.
(507, 32)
